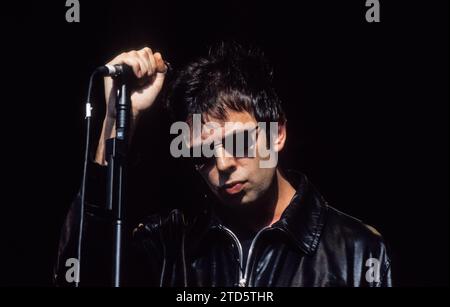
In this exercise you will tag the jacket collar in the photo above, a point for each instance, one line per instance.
(302, 220)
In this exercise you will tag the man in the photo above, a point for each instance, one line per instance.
(262, 226)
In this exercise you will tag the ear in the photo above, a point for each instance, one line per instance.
(281, 137)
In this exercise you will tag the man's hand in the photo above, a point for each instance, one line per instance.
(150, 70)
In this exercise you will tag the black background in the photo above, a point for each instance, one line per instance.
(367, 108)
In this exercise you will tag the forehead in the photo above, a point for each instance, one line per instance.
(212, 128)
(231, 117)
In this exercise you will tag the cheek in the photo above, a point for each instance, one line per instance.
(250, 165)
(211, 176)
(260, 177)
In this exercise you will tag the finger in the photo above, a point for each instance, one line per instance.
(134, 64)
(145, 63)
(151, 59)
(143, 67)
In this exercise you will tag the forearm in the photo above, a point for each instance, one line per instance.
(150, 69)
(109, 131)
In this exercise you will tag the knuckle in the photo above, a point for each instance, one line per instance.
(133, 63)
(143, 55)
(133, 53)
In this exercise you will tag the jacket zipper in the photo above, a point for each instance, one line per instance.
(244, 271)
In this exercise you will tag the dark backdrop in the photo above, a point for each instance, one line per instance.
(367, 108)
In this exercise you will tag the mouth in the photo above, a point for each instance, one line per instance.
(233, 187)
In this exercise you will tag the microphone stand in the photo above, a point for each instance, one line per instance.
(116, 156)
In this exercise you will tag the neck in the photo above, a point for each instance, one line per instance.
(285, 193)
(267, 210)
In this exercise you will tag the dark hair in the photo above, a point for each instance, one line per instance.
(229, 77)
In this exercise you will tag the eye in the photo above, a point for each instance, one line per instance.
(211, 146)
(241, 141)
(202, 162)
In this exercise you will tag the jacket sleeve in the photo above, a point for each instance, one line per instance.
(377, 263)
(385, 270)
(94, 268)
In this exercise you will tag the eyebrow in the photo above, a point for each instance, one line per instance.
(231, 133)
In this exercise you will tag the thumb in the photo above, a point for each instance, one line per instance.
(161, 66)
(159, 79)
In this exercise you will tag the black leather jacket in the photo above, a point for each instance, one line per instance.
(312, 245)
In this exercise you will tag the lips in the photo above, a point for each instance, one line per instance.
(233, 187)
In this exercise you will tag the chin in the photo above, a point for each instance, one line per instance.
(236, 200)
(246, 200)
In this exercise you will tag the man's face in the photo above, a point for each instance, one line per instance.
(236, 180)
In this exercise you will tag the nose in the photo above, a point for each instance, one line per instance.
(224, 163)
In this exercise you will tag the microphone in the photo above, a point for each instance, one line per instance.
(115, 70)
(121, 70)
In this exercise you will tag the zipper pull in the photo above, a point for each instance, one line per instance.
(242, 282)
